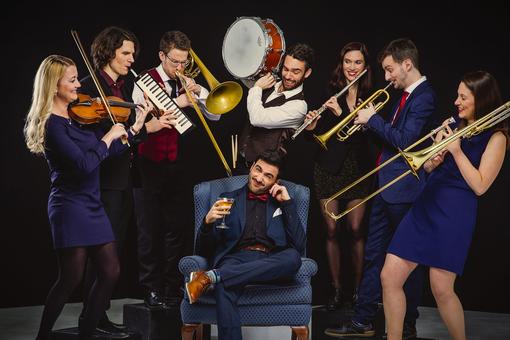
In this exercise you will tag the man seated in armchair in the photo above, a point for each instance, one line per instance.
(262, 242)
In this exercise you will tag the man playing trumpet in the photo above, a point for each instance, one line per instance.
(406, 124)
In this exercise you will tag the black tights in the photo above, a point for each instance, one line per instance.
(71, 266)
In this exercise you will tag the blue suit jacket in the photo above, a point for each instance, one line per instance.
(407, 129)
(284, 229)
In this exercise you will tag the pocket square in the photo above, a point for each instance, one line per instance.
(277, 212)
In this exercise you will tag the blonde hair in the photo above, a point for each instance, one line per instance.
(46, 79)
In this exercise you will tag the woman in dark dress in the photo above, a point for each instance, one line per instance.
(437, 230)
(344, 162)
(79, 225)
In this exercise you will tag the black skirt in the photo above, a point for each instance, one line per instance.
(327, 184)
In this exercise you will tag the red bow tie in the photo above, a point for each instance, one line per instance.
(261, 197)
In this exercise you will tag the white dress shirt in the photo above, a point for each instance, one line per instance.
(289, 115)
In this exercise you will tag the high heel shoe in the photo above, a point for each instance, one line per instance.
(335, 301)
(354, 296)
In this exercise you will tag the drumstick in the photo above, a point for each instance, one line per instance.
(235, 163)
(233, 151)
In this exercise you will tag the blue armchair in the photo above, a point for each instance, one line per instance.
(260, 305)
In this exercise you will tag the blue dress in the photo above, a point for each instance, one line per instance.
(438, 229)
(75, 211)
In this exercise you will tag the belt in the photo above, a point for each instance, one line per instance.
(257, 247)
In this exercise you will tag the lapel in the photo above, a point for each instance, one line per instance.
(416, 92)
(271, 206)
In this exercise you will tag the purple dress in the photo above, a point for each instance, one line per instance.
(438, 229)
(75, 211)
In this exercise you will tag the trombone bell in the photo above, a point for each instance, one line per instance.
(223, 97)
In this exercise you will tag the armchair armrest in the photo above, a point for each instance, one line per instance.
(189, 264)
(306, 271)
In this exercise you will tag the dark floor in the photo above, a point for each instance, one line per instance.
(21, 323)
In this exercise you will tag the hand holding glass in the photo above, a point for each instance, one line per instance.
(225, 203)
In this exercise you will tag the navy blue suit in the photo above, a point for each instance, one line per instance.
(238, 268)
(390, 206)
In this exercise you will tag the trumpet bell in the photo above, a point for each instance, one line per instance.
(322, 140)
(224, 97)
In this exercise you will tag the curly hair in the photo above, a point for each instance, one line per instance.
(304, 53)
(107, 42)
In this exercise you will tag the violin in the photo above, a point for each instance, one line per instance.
(89, 110)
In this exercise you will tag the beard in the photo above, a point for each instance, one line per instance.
(293, 85)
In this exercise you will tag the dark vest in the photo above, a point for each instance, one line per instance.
(257, 140)
(162, 144)
(115, 171)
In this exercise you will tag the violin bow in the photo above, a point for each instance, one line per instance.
(106, 104)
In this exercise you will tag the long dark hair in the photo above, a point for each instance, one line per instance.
(107, 42)
(338, 80)
(487, 95)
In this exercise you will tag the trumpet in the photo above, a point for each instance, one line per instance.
(323, 107)
(338, 129)
(416, 159)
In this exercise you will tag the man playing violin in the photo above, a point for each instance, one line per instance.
(113, 52)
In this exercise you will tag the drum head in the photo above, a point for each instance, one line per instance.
(244, 47)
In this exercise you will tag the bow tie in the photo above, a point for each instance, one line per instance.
(260, 197)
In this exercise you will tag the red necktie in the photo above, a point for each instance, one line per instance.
(260, 197)
(395, 116)
(400, 106)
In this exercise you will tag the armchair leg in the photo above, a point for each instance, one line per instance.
(300, 333)
(188, 330)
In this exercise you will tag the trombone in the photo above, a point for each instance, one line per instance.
(323, 107)
(222, 98)
(416, 159)
(339, 129)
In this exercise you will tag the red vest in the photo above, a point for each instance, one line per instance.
(162, 144)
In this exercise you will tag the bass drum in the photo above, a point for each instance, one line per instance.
(253, 47)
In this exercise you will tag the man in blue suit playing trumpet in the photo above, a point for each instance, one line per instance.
(260, 241)
(406, 123)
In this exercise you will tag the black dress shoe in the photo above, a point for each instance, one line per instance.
(105, 322)
(173, 301)
(101, 334)
(351, 329)
(104, 329)
(153, 299)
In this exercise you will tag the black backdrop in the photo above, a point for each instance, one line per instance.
(453, 38)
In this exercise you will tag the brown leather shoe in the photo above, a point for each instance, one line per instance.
(197, 285)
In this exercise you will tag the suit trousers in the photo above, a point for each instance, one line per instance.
(160, 218)
(384, 219)
(245, 267)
